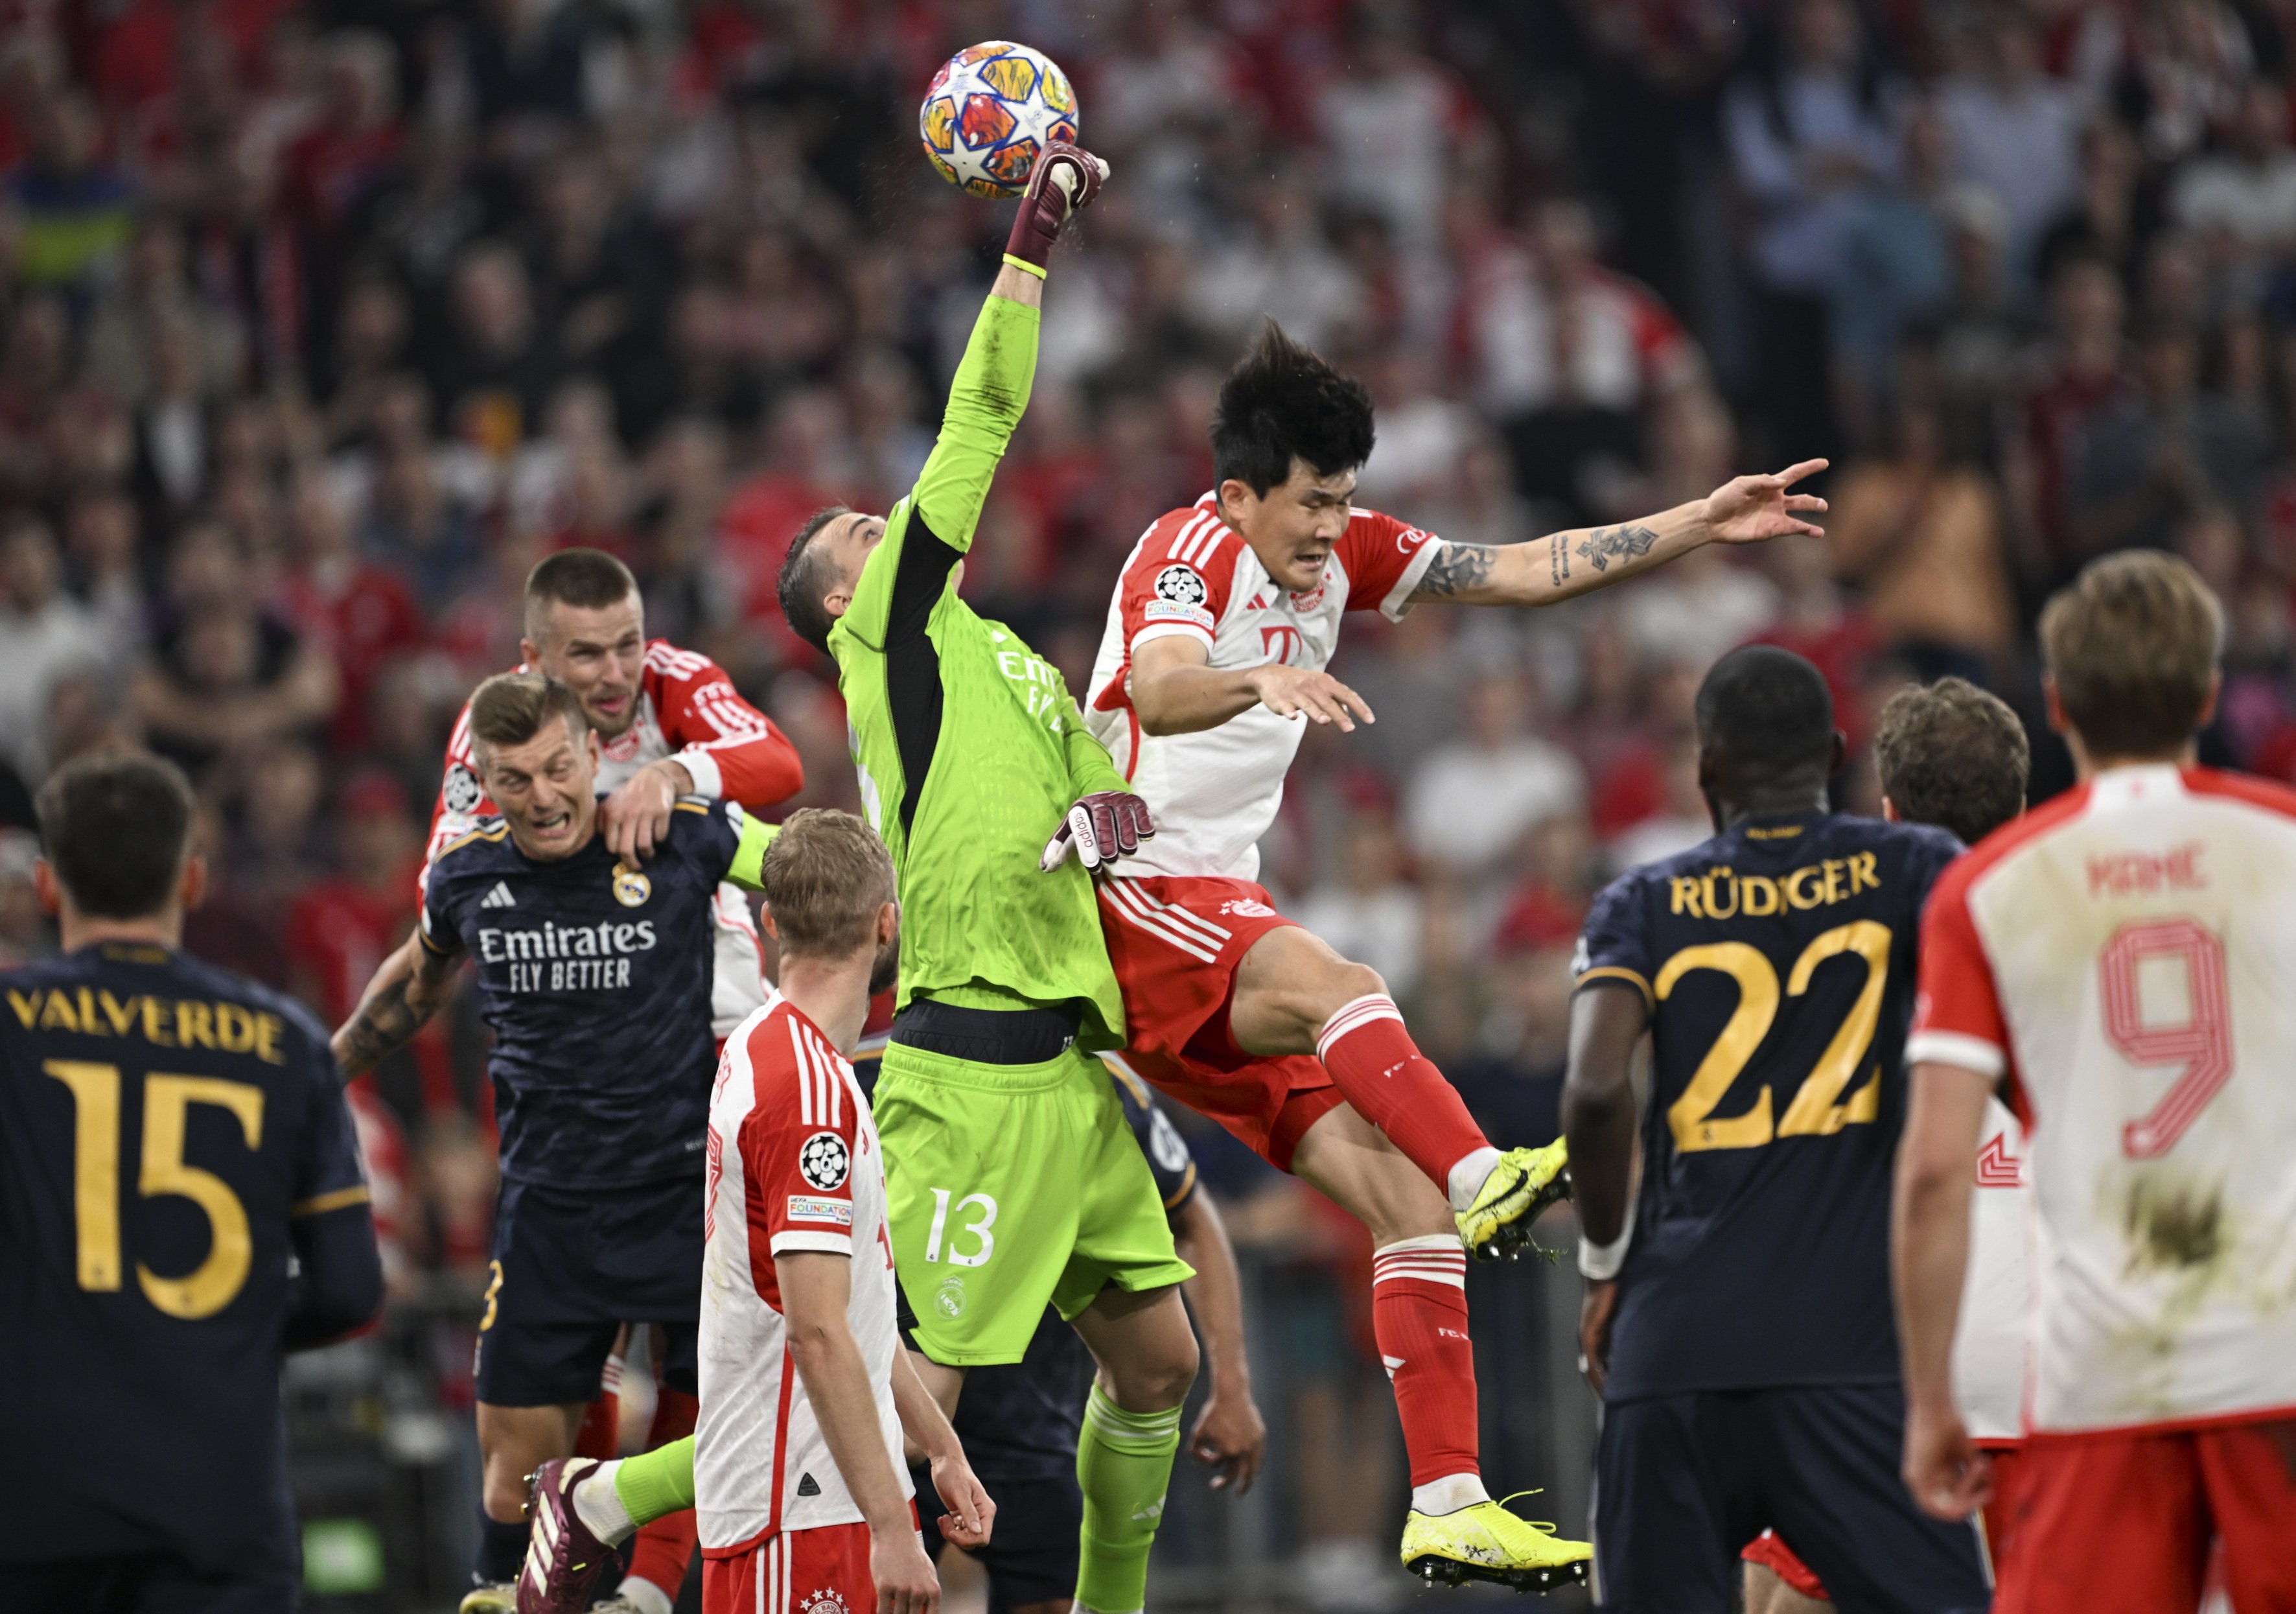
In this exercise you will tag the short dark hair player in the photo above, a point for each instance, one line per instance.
(173, 1142)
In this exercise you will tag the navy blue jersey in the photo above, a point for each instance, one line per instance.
(1778, 962)
(161, 1124)
(595, 979)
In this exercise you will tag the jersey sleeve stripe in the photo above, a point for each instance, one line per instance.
(1166, 629)
(318, 1204)
(1187, 536)
(1188, 1186)
(804, 1085)
(1616, 972)
(1956, 1047)
(1397, 601)
(831, 1244)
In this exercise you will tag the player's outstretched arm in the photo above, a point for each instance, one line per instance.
(1607, 1019)
(1744, 510)
(1229, 1433)
(406, 991)
(1929, 1249)
(990, 392)
(816, 1287)
(971, 1516)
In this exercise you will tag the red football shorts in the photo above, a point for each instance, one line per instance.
(2122, 1524)
(793, 1572)
(1175, 942)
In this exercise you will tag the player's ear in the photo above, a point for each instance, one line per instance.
(193, 887)
(889, 924)
(2208, 707)
(766, 919)
(1237, 498)
(530, 653)
(1890, 813)
(2058, 724)
(48, 888)
(1840, 754)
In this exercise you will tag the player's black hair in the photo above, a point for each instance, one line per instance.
(800, 583)
(1282, 399)
(1952, 755)
(117, 825)
(588, 580)
(1765, 718)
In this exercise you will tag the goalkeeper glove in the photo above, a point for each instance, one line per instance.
(1101, 828)
(1065, 180)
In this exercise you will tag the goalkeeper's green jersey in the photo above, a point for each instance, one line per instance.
(970, 748)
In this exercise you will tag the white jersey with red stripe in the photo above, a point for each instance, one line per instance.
(1215, 793)
(1988, 1350)
(794, 1165)
(687, 708)
(2123, 955)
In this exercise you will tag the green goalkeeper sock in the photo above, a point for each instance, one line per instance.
(657, 1484)
(1124, 1462)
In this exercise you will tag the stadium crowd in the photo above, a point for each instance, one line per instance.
(319, 324)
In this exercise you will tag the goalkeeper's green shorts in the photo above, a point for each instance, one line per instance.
(1010, 1187)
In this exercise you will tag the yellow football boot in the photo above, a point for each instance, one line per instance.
(1522, 1184)
(1485, 1542)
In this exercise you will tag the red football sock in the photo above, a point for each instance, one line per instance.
(1419, 1316)
(601, 1433)
(1380, 1070)
(663, 1549)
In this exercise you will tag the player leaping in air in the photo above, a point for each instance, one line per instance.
(1012, 1179)
(1223, 623)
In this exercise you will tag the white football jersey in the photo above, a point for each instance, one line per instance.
(1988, 1349)
(2124, 953)
(794, 1165)
(1214, 793)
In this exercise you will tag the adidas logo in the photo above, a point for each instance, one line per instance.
(499, 897)
(807, 1486)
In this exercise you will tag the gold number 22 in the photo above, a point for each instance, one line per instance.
(216, 1281)
(1817, 1109)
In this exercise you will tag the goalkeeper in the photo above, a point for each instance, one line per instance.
(1013, 1179)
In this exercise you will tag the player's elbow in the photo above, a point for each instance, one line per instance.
(339, 1288)
(1152, 704)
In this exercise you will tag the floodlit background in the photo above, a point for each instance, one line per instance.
(320, 324)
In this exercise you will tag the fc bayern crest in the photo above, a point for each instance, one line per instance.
(631, 887)
(822, 1162)
(1182, 585)
(831, 1601)
(462, 791)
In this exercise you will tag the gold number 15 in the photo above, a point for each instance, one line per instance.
(1817, 1109)
(216, 1281)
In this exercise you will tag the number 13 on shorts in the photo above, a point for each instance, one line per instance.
(983, 1210)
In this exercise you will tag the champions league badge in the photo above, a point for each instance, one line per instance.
(631, 889)
(462, 791)
(822, 1161)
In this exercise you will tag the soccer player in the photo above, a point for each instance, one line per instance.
(596, 977)
(1952, 755)
(671, 726)
(1021, 1422)
(803, 1497)
(1737, 1320)
(2119, 958)
(1223, 623)
(180, 1202)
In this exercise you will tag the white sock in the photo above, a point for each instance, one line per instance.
(1449, 1494)
(1472, 1170)
(597, 1504)
(649, 1598)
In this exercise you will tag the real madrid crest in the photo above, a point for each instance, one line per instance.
(631, 886)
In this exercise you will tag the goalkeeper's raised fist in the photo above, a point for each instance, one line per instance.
(1066, 179)
(1101, 828)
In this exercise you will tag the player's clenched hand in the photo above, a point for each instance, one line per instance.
(1595, 1315)
(1948, 1476)
(1100, 828)
(635, 818)
(1289, 691)
(971, 1516)
(904, 1574)
(1231, 1436)
(1062, 184)
(1748, 509)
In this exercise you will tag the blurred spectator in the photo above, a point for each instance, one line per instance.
(2085, 373)
(2242, 200)
(76, 209)
(1896, 267)
(45, 635)
(2014, 130)
(1391, 128)
(223, 674)
(1471, 801)
(23, 928)
(2105, 220)
(1808, 131)
(1920, 537)
(358, 614)
(1706, 602)
(1365, 907)
(492, 371)
(105, 565)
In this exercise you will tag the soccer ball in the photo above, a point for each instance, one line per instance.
(989, 112)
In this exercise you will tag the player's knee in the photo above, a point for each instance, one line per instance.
(1158, 1379)
(504, 1494)
(1344, 982)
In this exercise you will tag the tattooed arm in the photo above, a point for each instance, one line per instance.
(405, 992)
(1744, 511)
